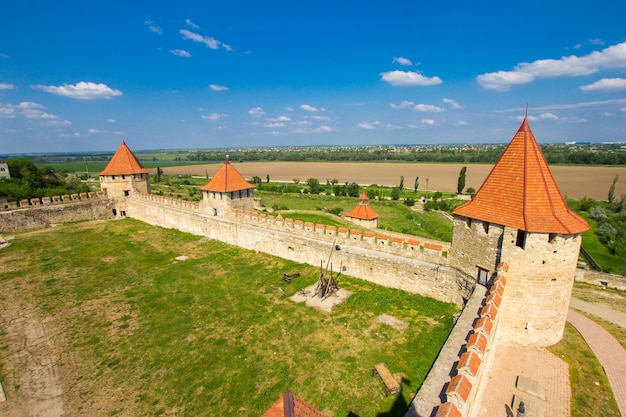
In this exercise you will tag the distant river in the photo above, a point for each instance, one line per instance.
(573, 181)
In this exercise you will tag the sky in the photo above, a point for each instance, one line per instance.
(80, 76)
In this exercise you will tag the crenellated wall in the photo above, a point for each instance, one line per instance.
(45, 211)
(391, 261)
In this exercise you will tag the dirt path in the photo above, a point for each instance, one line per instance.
(32, 385)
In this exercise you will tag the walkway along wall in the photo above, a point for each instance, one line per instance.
(383, 260)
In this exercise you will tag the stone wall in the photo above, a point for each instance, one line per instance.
(602, 279)
(386, 260)
(37, 213)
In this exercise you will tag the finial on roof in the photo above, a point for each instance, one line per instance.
(526, 116)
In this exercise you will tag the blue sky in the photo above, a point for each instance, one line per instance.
(83, 75)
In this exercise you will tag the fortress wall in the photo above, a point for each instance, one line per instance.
(426, 274)
(37, 213)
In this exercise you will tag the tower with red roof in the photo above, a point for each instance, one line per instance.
(519, 216)
(124, 174)
(227, 191)
(363, 214)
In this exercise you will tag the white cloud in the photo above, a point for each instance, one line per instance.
(82, 90)
(281, 119)
(428, 108)
(4, 86)
(93, 131)
(217, 87)
(568, 66)
(617, 101)
(403, 105)
(274, 124)
(256, 111)
(402, 61)
(191, 24)
(210, 42)
(369, 125)
(606, 84)
(111, 120)
(428, 122)
(408, 78)
(214, 116)
(323, 129)
(311, 108)
(503, 80)
(152, 27)
(461, 123)
(452, 103)
(3, 55)
(289, 109)
(181, 52)
(319, 118)
(32, 111)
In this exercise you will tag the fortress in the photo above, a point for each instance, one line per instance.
(514, 249)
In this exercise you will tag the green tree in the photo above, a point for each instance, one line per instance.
(314, 185)
(460, 185)
(256, 180)
(401, 186)
(417, 184)
(395, 193)
(353, 189)
(612, 190)
(267, 178)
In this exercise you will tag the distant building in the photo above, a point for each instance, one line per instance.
(4, 170)
(363, 214)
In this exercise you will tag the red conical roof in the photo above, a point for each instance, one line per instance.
(520, 192)
(227, 179)
(363, 211)
(124, 162)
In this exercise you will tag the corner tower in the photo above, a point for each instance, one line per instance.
(227, 191)
(518, 216)
(124, 174)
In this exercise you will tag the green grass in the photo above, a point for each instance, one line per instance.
(394, 216)
(212, 335)
(591, 392)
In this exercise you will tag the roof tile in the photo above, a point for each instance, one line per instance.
(124, 162)
(520, 192)
(227, 179)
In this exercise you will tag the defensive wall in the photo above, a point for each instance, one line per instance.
(601, 279)
(383, 259)
(45, 211)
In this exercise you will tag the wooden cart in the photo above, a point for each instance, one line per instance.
(390, 384)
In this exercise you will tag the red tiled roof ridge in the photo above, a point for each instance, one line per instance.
(362, 212)
(124, 162)
(521, 192)
(227, 179)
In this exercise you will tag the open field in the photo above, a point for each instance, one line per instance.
(100, 318)
(573, 181)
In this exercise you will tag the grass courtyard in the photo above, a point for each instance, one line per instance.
(133, 331)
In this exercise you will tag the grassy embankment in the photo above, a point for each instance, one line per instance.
(211, 335)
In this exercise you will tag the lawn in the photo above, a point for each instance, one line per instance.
(394, 215)
(146, 334)
(591, 392)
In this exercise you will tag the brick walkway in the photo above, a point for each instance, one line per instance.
(609, 352)
(599, 310)
(537, 364)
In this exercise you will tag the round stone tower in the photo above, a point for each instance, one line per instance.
(124, 174)
(518, 216)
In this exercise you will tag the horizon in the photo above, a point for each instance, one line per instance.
(78, 77)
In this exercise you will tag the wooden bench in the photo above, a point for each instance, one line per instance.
(390, 384)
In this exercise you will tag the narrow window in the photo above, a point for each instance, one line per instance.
(468, 222)
(520, 242)
(123, 177)
(552, 238)
(126, 193)
(486, 227)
